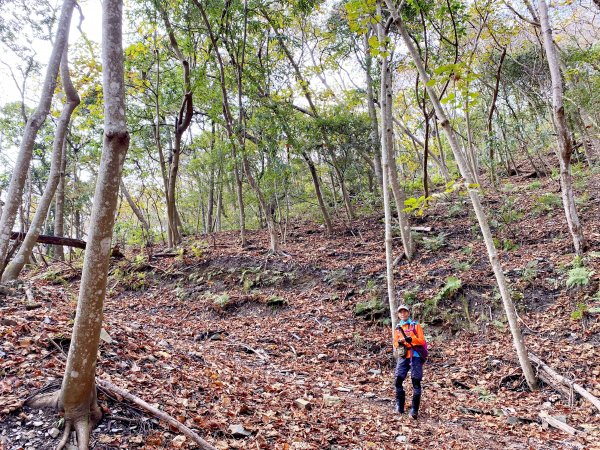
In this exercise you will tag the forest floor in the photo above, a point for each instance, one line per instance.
(219, 336)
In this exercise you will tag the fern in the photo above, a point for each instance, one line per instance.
(579, 276)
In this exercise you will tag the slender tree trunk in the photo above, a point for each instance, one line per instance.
(17, 181)
(586, 139)
(372, 112)
(136, 210)
(386, 142)
(77, 396)
(387, 145)
(182, 122)
(474, 196)
(317, 185)
(35, 228)
(345, 196)
(59, 210)
(564, 137)
(210, 202)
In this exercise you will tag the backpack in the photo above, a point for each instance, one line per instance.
(421, 349)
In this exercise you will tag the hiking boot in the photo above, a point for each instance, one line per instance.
(400, 398)
(414, 411)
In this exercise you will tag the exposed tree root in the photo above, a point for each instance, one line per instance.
(48, 400)
(65, 436)
(82, 422)
(156, 413)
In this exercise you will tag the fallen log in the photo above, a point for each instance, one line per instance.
(155, 412)
(53, 240)
(60, 240)
(560, 382)
(554, 422)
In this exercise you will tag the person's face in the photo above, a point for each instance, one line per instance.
(403, 314)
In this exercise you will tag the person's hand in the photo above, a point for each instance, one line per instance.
(408, 339)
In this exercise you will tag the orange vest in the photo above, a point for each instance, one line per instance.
(413, 330)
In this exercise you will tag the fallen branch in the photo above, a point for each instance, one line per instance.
(54, 240)
(552, 421)
(59, 240)
(156, 413)
(560, 380)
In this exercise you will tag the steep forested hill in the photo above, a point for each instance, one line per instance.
(292, 351)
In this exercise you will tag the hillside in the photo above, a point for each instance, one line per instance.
(292, 346)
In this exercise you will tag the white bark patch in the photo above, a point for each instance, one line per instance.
(74, 374)
(105, 245)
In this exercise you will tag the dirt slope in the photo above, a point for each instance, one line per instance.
(220, 337)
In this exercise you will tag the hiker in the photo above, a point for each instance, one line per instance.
(408, 335)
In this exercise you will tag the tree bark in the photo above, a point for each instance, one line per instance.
(136, 210)
(317, 185)
(17, 181)
(564, 136)
(474, 196)
(35, 228)
(386, 141)
(387, 145)
(77, 395)
(182, 122)
(373, 113)
(59, 208)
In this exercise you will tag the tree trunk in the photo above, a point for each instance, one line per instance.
(317, 185)
(182, 122)
(586, 138)
(17, 180)
(564, 136)
(77, 395)
(373, 113)
(59, 209)
(35, 228)
(386, 141)
(136, 210)
(474, 196)
(341, 181)
(387, 145)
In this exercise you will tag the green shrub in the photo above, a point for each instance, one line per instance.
(508, 187)
(530, 271)
(461, 265)
(435, 243)
(467, 250)
(275, 300)
(535, 185)
(579, 276)
(580, 311)
(448, 291)
(222, 301)
(548, 201)
(371, 309)
(456, 210)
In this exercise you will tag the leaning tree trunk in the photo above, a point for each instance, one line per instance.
(136, 210)
(35, 227)
(564, 136)
(17, 181)
(387, 139)
(509, 306)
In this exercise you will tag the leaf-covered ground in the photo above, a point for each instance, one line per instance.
(219, 336)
